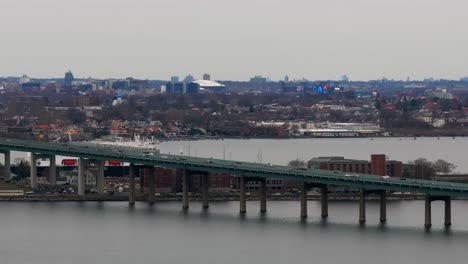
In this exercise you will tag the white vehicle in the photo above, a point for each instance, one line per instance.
(385, 177)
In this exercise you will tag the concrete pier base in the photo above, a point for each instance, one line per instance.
(7, 165)
(205, 193)
(185, 187)
(427, 212)
(263, 193)
(448, 211)
(53, 170)
(304, 200)
(383, 206)
(362, 207)
(242, 200)
(33, 175)
(81, 176)
(324, 200)
(131, 186)
(151, 186)
(100, 176)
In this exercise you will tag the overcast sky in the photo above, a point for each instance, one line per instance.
(236, 39)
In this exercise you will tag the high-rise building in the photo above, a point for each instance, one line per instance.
(189, 78)
(174, 79)
(206, 77)
(169, 87)
(69, 78)
(286, 78)
(179, 88)
(193, 88)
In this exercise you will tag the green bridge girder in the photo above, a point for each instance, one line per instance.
(238, 168)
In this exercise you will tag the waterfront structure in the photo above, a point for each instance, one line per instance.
(189, 166)
(377, 166)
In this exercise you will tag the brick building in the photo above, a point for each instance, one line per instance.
(378, 165)
(169, 180)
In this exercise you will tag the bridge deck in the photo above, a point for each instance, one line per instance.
(246, 169)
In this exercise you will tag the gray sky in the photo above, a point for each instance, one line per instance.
(315, 39)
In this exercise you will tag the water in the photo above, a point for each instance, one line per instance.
(112, 232)
(282, 151)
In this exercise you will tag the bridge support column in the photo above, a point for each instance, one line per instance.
(383, 206)
(131, 185)
(7, 168)
(52, 170)
(243, 204)
(324, 191)
(304, 200)
(100, 177)
(427, 212)
(151, 185)
(81, 176)
(448, 211)
(33, 175)
(362, 207)
(185, 187)
(263, 191)
(205, 194)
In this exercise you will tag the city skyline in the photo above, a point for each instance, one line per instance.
(363, 39)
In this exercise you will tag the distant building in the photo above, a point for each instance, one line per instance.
(258, 79)
(206, 77)
(69, 78)
(286, 78)
(24, 79)
(179, 88)
(193, 88)
(188, 78)
(85, 100)
(175, 88)
(210, 85)
(174, 79)
(377, 166)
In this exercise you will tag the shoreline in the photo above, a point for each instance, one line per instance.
(415, 137)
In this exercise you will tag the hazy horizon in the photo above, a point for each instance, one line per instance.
(235, 40)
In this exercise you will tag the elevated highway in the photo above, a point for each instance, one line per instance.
(435, 190)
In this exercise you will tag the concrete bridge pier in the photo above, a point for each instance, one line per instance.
(206, 191)
(131, 186)
(448, 211)
(185, 187)
(242, 200)
(33, 175)
(100, 176)
(304, 200)
(427, 212)
(263, 194)
(362, 207)
(7, 165)
(52, 170)
(151, 185)
(324, 201)
(383, 206)
(81, 176)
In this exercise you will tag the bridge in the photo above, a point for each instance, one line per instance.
(311, 178)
